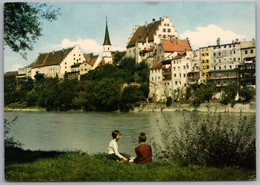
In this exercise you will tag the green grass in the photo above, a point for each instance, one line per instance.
(77, 166)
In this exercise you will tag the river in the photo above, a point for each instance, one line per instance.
(89, 131)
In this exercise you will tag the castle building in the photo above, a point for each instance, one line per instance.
(147, 37)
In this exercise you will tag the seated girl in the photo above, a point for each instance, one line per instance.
(143, 151)
(113, 153)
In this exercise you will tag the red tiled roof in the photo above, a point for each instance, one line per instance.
(88, 56)
(93, 60)
(175, 45)
(143, 32)
(102, 62)
(156, 66)
(52, 58)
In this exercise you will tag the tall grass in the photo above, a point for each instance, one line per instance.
(209, 140)
(78, 166)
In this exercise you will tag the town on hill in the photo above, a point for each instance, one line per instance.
(157, 66)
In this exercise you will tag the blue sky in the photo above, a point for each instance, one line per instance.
(84, 23)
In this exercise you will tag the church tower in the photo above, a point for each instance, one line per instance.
(107, 47)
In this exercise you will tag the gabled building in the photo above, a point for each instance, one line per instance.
(148, 36)
(56, 62)
(168, 49)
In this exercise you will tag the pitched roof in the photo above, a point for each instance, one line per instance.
(143, 32)
(106, 40)
(179, 56)
(52, 58)
(93, 60)
(156, 66)
(102, 63)
(175, 45)
(88, 56)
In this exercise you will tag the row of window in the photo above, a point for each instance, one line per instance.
(219, 67)
(251, 51)
(166, 24)
(225, 46)
(164, 30)
(225, 60)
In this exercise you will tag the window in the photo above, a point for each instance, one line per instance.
(169, 30)
(214, 54)
(168, 24)
(183, 75)
(160, 36)
(180, 75)
(234, 52)
(164, 30)
(164, 36)
(183, 67)
(252, 51)
(174, 75)
(176, 82)
(219, 68)
(230, 67)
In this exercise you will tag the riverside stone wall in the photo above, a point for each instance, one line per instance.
(250, 107)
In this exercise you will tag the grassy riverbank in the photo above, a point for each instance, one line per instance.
(76, 166)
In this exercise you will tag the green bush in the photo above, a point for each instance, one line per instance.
(209, 140)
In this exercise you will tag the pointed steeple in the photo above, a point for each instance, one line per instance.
(106, 40)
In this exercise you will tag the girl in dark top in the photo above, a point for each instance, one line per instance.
(143, 151)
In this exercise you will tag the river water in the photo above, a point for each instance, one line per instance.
(90, 131)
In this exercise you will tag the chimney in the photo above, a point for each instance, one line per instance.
(218, 41)
(171, 38)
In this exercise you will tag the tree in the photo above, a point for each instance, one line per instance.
(229, 94)
(23, 24)
(247, 93)
(169, 101)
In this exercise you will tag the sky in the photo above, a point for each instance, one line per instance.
(84, 23)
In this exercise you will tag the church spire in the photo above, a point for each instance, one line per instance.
(106, 40)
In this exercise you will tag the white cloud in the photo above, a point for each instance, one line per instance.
(205, 36)
(87, 45)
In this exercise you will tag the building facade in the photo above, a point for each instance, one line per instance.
(146, 37)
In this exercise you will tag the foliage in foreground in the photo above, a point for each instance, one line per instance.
(77, 166)
(209, 140)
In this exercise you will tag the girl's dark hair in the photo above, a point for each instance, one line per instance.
(142, 137)
(115, 133)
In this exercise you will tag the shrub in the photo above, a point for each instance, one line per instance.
(247, 93)
(169, 101)
(209, 140)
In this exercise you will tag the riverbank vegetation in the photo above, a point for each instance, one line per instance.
(77, 166)
(208, 140)
(110, 88)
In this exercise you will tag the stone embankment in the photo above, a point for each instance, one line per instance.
(153, 107)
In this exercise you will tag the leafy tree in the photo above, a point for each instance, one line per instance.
(129, 97)
(229, 93)
(203, 93)
(39, 77)
(31, 98)
(118, 56)
(23, 24)
(247, 93)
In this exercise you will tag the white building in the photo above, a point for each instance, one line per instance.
(225, 56)
(146, 37)
(56, 62)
